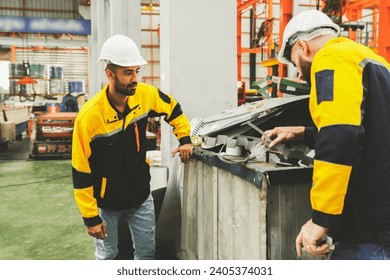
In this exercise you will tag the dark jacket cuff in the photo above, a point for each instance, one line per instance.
(185, 140)
(310, 136)
(94, 221)
(328, 221)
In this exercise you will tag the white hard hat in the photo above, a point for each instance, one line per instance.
(306, 25)
(121, 50)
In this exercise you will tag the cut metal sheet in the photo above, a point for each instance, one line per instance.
(235, 117)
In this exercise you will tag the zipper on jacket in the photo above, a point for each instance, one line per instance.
(123, 125)
(137, 136)
(138, 147)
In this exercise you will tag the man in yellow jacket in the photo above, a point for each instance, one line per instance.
(350, 107)
(110, 172)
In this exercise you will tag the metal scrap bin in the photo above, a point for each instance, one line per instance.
(245, 210)
(236, 211)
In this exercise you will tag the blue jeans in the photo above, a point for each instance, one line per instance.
(142, 225)
(362, 251)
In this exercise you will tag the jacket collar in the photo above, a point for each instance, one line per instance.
(110, 114)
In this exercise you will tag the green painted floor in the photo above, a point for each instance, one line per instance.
(39, 219)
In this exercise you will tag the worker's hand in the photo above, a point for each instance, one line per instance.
(98, 231)
(284, 134)
(309, 240)
(185, 152)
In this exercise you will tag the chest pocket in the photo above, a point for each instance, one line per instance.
(107, 152)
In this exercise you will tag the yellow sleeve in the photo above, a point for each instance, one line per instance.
(82, 178)
(335, 105)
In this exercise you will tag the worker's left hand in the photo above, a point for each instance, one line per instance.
(309, 240)
(185, 152)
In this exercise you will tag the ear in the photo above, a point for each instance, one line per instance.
(304, 47)
(110, 74)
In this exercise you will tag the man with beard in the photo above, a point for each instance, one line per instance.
(350, 106)
(110, 172)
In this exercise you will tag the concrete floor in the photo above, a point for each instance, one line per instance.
(38, 214)
(39, 217)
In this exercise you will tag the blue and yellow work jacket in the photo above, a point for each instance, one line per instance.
(109, 163)
(350, 107)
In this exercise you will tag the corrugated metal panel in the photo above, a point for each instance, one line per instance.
(9, 12)
(41, 8)
(53, 9)
(52, 37)
(10, 3)
(6, 5)
(74, 63)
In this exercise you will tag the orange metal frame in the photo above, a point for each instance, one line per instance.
(380, 37)
(353, 11)
(384, 23)
(242, 5)
(285, 16)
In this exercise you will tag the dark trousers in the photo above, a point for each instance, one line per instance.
(361, 251)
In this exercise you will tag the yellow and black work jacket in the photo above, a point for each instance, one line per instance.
(109, 164)
(350, 107)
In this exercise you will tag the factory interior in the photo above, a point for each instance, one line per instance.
(218, 59)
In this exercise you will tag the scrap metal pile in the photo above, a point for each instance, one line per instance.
(237, 135)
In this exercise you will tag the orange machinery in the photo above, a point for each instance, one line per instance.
(53, 135)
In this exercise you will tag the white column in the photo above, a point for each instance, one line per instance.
(198, 58)
(126, 19)
(110, 17)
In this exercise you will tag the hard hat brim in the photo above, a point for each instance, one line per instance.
(134, 63)
(281, 57)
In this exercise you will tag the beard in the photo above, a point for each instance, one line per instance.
(305, 69)
(127, 90)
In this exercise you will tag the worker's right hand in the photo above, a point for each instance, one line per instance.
(309, 238)
(284, 134)
(185, 152)
(98, 231)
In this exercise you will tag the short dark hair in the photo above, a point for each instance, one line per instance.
(111, 67)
